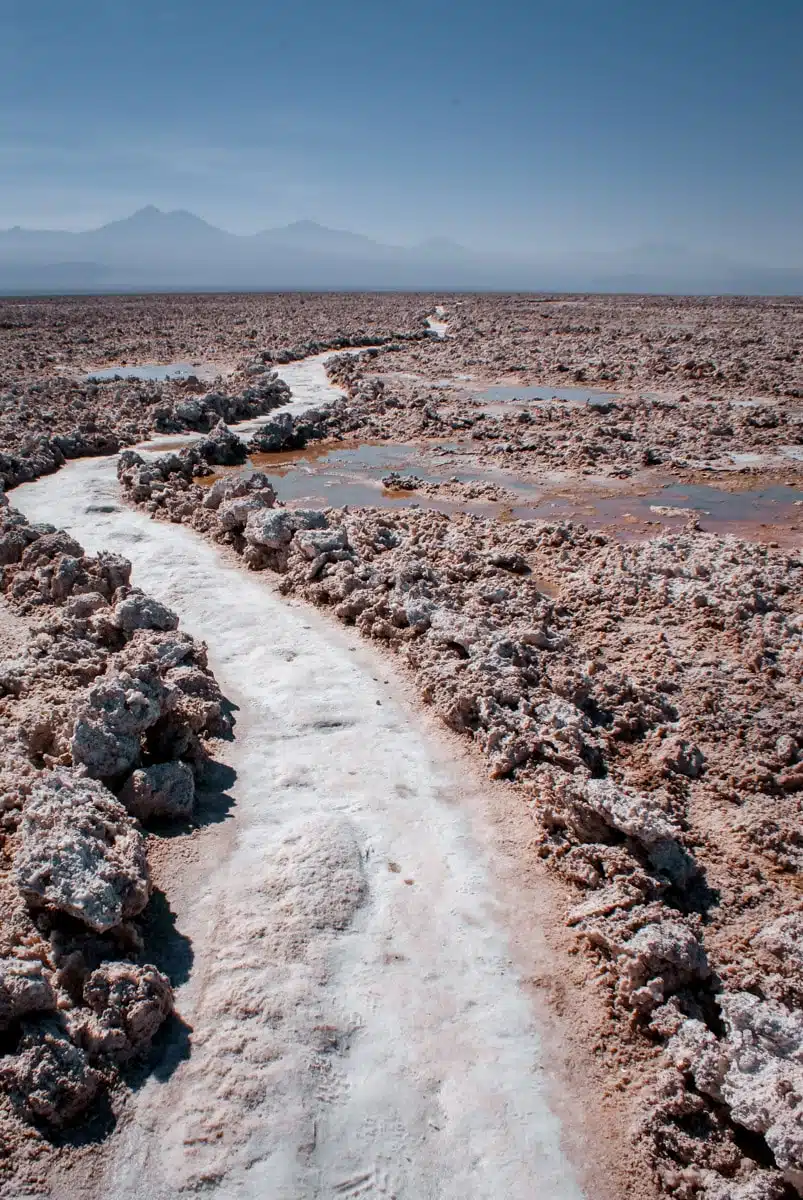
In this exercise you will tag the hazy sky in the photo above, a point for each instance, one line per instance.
(568, 124)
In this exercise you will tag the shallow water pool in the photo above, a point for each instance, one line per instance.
(156, 372)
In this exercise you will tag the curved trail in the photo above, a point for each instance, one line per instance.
(358, 1026)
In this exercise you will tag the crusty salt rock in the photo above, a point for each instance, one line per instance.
(103, 752)
(277, 434)
(118, 709)
(759, 1185)
(113, 572)
(784, 939)
(138, 611)
(656, 961)
(313, 542)
(49, 1078)
(451, 628)
(756, 1069)
(85, 605)
(24, 988)
(81, 852)
(271, 530)
(198, 701)
(600, 806)
(234, 513)
(600, 809)
(49, 546)
(163, 648)
(222, 447)
(190, 411)
(127, 1006)
(12, 546)
(229, 488)
(276, 528)
(163, 790)
(57, 579)
(787, 749)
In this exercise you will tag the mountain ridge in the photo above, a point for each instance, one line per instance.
(177, 250)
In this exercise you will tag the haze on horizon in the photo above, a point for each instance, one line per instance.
(526, 128)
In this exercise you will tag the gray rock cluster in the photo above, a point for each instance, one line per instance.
(755, 1068)
(288, 432)
(112, 711)
(80, 852)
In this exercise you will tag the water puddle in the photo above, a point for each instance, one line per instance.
(346, 474)
(512, 393)
(159, 372)
(340, 474)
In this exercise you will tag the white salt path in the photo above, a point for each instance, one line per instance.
(358, 1026)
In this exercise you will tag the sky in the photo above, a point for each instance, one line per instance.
(525, 125)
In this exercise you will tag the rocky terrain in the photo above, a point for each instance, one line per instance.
(108, 720)
(640, 699)
(713, 348)
(50, 411)
(637, 437)
(603, 682)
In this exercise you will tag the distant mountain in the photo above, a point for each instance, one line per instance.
(156, 250)
(151, 223)
(313, 238)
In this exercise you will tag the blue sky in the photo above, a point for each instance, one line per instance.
(570, 124)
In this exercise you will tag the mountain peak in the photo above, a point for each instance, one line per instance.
(151, 220)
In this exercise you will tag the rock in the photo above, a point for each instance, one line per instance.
(276, 528)
(400, 483)
(277, 434)
(128, 1005)
(761, 1185)
(506, 561)
(23, 989)
(190, 412)
(49, 1079)
(656, 961)
(312, 542)
(103, 752)
(756, 1069)
(676, 755)
(632, 813)
(222, 448)
(164, 790)
(165, 648)
(272, 530)
(448, 628)
(233, 514)
(199, 702)
(783, 938)
(107, 730)
(85, 605)
(233, 486)
(138, 611)
(80, 852)
(49, 546)
(600, 810)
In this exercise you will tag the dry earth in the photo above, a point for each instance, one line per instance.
(641, 700)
